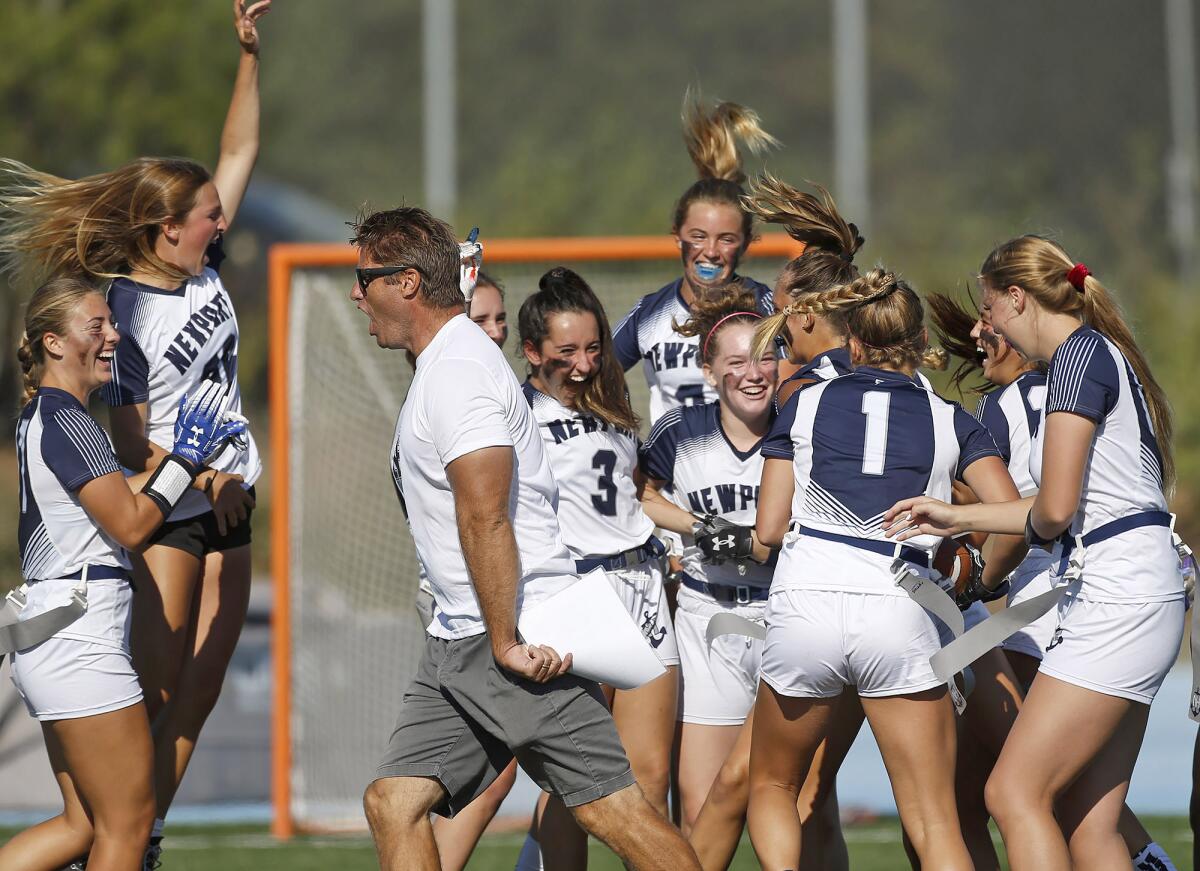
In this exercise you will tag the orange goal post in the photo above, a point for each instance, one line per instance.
(345, 639)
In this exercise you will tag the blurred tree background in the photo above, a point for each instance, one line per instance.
(987, 120)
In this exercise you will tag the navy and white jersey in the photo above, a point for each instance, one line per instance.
(1089, 376)
(824, 366)
(672, 362)
(171, 341)
(1012, 415)
(706, 474)
(60, 447)
(858, 444)
(593, 463)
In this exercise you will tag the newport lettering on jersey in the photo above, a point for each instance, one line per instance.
(190, 341)
(572, 427)
(172, 341)
(723, 498)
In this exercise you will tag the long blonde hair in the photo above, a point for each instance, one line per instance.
(103, 225)
(48, 311)
(830, 243)
(1040, 267)
(711, 136)
(883, 313)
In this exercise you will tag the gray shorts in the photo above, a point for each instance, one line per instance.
(463, 719)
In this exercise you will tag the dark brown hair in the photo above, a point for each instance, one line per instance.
(563, 290)
(410, 235)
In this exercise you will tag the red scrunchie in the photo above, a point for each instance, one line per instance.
(1076, 276)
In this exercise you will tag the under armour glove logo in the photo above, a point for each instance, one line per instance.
(719, 540)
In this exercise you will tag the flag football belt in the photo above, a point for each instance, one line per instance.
(914, 555)
(727, 594)
(969, 646)
(624, 560)
(17, 634)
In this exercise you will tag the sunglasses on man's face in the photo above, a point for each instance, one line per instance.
(366, 274)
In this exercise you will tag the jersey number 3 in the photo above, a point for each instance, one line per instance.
(875, 405)
(606, 500)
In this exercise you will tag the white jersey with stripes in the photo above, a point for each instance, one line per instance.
(593, 463)
(171, 342)
(1090, 377)
(60, 448)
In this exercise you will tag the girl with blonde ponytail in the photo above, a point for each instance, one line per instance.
(153, 229)
(79, 514)
(713, 231)
(835, 457)
(1102, 461)
(1011, 412)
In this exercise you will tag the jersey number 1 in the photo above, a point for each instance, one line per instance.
(875, 404)
(606, 500)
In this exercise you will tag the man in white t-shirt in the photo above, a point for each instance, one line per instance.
(475, 484)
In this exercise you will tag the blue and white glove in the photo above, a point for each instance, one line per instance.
(205, 423)
(470, 255)
(203, 426)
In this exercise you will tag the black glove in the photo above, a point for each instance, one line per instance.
(720, 540)
(972, 589)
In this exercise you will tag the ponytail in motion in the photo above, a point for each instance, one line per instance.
(712, 136)
(830, 243)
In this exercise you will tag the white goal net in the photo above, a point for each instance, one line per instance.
(352, 636)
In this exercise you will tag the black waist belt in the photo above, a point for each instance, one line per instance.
(1110, 530)
(633, 557)
(914, 555)
(728, 594)
(94, 573)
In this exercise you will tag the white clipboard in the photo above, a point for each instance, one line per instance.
(589, 621)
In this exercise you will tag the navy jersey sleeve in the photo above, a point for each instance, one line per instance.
(992, 416)
(657, 456)
(130, 369)
(625, 338)
(1083, 378)
(974, 441)
(130, 373)
(76, 449)
(778, 444)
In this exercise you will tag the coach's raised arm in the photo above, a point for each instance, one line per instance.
(471, 474)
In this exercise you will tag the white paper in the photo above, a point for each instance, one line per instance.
(589, 621)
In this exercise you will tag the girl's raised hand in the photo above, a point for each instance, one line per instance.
(245, 19)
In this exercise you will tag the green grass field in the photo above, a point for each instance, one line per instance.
(873, 847)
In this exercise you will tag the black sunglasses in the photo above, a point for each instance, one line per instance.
(366, 274)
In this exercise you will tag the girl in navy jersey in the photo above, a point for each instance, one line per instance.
(713, 231)
(1102, 458)
(577, 392)
(79, 513)
(153, 227)
(836, 616)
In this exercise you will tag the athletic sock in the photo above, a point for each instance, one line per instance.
(531, 856)
(1153, 858)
